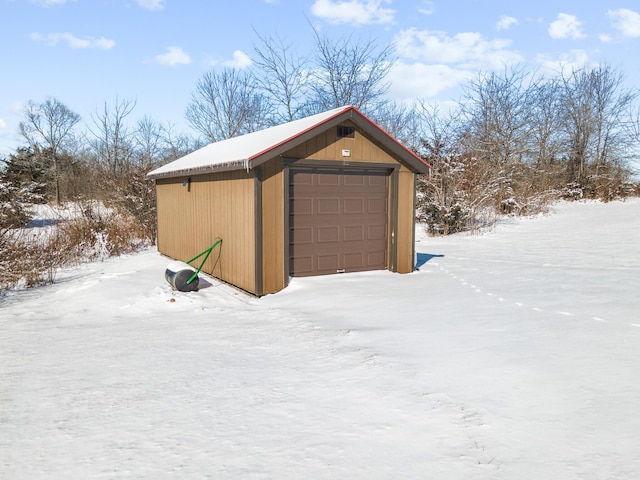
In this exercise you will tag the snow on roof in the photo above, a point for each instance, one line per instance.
(237, 152)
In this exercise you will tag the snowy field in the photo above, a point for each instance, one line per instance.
(509, 355)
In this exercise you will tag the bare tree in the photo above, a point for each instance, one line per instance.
(442, 202)
(499, 112)
(546, 145)
(177, 145)
(596, 124)
(402, 121)
(612, 102)
(112, 142)
(282, 75)
(149, 141)
(578, 121)
(498, 109)
(634, 133)
(349, 72)
(48, 128)
(227, 104)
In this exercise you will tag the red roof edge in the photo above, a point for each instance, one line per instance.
(349, 108)
(302, 132)
(392, 138)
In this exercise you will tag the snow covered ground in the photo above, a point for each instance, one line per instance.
(509, 355)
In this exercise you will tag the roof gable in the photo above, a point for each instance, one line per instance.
(249, 151)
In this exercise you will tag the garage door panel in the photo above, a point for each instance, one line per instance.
(353, 262)
(376, 232)
(354, 206)
(338, 220)
(304, 178)
(376, 181)
(354, 180)
(302, 206)
(301, 235)
(328, 179)
(328, 206)
(377, 205)
(303, 265)
(327, 263)
(328, 234)
(375, 258)
(353, 233)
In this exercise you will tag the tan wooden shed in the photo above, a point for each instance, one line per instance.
(330, 193)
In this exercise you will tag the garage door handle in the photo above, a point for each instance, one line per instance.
(342, 270)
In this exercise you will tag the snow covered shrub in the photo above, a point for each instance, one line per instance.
(23, 260)
(15, 201)
(442, 219)
(32, 256)
(572, 191)
(133, 196)
(509, 205)
(7, 259)
(441, 195)
(630, 189)
(12, 210)
(137, 197)
(18, 191)
(99, 233)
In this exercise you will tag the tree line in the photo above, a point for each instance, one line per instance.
(518, 140)
(515, 140)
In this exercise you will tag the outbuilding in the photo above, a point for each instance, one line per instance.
(327, 194)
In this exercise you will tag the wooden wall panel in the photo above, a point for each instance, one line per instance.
(326, 146)
(405, 235)
(273, 261)
(221, 205)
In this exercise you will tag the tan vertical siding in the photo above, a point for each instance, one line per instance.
(214, 205)
(326, 146)
(405, 234)
(273, 261)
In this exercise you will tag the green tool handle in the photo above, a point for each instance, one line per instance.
(206, 254)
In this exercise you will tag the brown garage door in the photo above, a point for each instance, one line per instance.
(338, 221)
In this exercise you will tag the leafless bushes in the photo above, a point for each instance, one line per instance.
(29, 259)
(518, 142)
(32, 256)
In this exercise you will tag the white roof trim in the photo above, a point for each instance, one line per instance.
(237, 152)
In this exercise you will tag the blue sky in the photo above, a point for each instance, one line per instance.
(88, 52)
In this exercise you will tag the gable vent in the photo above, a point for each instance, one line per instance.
(345, 131)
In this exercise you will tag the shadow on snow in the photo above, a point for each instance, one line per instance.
(424, 258)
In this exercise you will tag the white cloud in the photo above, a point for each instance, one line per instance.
(566, 26)
(604, 38)
(239, 60)
(174, 56)
(627, 21)
(575, 59)
(419, 80)
(428, 7)
(359, 12)
(467, 49)
(72, 41)
(151, 4)
(506, 22)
